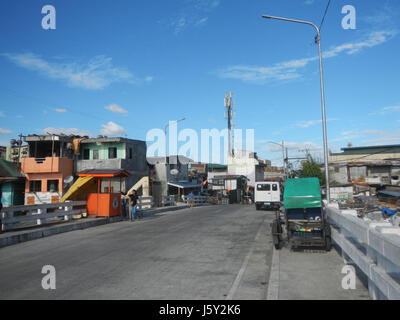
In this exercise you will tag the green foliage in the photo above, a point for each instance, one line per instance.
(312, 169)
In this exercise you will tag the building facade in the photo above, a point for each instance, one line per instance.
(116, 154)
(48, 163)
(246, 163)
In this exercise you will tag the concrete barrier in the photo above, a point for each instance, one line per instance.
(374, 247)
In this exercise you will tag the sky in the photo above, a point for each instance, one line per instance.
(124, 67)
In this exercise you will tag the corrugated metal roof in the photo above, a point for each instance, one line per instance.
(9, 169)
(184, 184)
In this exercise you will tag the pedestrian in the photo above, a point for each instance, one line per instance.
(133, 202)
(191, 199)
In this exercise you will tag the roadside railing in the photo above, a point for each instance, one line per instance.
(30, 215)
(374, 247)
(168, 201)
(198, 200)
(145, 203)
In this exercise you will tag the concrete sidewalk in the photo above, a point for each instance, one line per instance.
(310, 275)
(22, 235)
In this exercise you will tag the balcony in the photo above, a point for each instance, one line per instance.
(47, 165)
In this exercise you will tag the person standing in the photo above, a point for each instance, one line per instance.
(133, 202)
(191, 199)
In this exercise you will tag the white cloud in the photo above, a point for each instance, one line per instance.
(386, 110)
(293, 146)
(4, 131)
(193, 13)
(370, 136)
(309, 2)
(310, 123)
(112, 129)
(290, 69)
(60, 110)
(394, 108)
(67, 131)
(116, 109)
(201, 21)
(148, 79)
(1, 114)
(97, 74)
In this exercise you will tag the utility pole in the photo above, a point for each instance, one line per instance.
(229, 115)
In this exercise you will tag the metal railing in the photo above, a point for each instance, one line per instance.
(168, 201)
(30, 215)
(373, 246)
(144, 203)
(197, 199)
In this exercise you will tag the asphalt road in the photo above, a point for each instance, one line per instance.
(215, 252)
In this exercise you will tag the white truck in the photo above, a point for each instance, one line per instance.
(267, 194)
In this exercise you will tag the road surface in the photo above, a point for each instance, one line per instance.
(211, 252)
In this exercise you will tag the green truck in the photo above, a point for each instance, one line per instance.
(304, 220)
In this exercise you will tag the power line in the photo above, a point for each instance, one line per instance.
(323, 18)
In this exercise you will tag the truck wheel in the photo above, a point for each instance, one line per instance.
(276, 234)
(328, 243)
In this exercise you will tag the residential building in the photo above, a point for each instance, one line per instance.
(370, 165)
(216, 170)
(12, 184)
(246, 163)
(366, 154)
(169, 174)
(3, 151)
(16, 151)
(49, 162)
(114, 154)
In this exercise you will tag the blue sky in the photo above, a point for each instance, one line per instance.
(124, 67)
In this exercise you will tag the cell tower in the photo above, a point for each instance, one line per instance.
(229, 114)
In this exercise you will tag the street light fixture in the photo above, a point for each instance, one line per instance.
(317, 40)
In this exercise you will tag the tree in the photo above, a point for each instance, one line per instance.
(312, 169)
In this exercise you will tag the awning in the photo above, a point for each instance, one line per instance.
(76, 188)
(184, 184)
(104, 173)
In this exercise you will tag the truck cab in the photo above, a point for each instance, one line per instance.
(267, 194)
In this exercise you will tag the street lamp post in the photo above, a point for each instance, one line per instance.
(318, 40)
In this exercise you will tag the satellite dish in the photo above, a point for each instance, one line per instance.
(68, 179)
(174, 172)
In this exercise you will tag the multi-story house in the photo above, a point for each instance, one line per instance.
(114, 153)
(48, 163)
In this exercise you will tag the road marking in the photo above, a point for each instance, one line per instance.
(273, 283)
(240, 274)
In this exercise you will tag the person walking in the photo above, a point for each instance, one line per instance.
(133, 202)
(191, 199)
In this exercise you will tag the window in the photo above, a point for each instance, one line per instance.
(274, 187)
(86, 154)
(112, 153)
(35, 186)
(52, 185)
(337, 169)
(95, 154)
(130, 153)
(264, 187)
